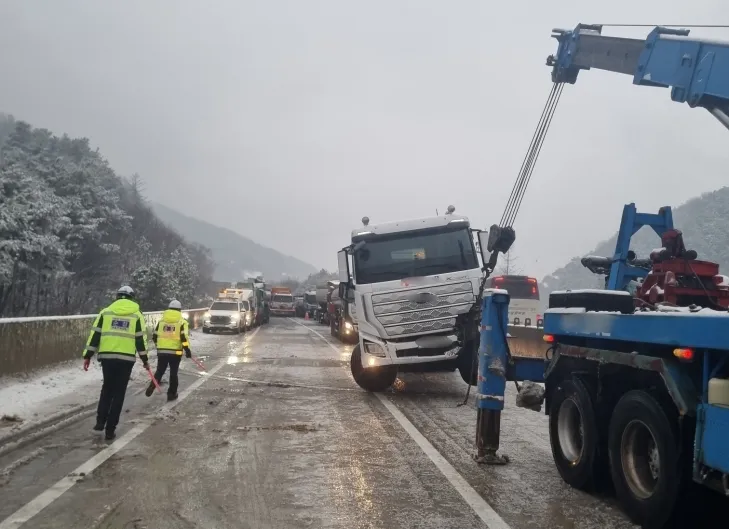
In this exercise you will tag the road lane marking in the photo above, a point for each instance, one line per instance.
(480, 506)
(44, 499)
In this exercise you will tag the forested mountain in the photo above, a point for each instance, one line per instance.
(72, 231)
(235, 256)
(703, 220)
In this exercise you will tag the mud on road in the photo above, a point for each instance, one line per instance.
(277, 435)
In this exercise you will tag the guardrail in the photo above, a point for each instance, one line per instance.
(30, 343)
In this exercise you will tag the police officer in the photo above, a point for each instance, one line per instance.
(170, 337)
(118, 335)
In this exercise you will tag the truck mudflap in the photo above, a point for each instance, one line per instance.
(679, 385)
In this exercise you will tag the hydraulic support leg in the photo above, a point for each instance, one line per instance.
(492, 361)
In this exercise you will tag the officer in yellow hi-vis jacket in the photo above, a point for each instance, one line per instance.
(171, 338)
(118, 335)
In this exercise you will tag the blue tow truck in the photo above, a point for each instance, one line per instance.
(636, 385)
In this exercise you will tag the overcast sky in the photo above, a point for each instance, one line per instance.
(287, 121)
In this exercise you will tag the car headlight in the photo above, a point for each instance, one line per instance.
(374, 349)
(234, 316)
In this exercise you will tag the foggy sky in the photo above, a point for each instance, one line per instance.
(287, 121)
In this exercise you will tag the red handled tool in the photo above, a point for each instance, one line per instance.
(154, 380)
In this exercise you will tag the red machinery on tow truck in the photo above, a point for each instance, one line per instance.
(636, 387)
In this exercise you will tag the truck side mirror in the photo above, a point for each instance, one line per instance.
(342, 290)
(343, 266)
(483, 240)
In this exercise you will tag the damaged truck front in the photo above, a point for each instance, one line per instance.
(415, 284)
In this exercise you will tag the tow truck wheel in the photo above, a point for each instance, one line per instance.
(374, 379)
(574, 435)
(644, 459)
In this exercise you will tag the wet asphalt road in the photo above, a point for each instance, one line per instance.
(279, 436)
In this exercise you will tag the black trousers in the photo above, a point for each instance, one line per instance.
(172, 360)
(116, 377)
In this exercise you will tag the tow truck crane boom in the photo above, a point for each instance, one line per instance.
(696, 70)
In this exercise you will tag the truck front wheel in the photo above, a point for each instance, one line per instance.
(644, 459)
(468, 363)
(374, 379)
(574, 435)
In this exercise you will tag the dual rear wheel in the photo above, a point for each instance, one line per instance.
(639, 453)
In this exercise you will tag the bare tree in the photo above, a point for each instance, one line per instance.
(508, 265)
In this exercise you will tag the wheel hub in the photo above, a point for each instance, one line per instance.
(640, 459)
(570, 431)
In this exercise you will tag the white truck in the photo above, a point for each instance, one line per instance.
(416, 285)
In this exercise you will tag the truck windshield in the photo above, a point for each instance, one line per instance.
(414, 254)
(310, 299)
(224, 305)
(283, 298)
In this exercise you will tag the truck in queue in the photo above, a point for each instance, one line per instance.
(415, 284)
(342, 310)
(282, 302)
(323, 291)
(310, 304)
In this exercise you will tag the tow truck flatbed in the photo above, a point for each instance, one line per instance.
(703, 329)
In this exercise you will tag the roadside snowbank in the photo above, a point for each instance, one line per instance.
(46, 392)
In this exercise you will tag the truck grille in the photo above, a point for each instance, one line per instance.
(401, 315)
(220, 319)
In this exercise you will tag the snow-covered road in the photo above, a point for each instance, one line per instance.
(277, 435)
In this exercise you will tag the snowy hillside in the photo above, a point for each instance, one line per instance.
(704, 221)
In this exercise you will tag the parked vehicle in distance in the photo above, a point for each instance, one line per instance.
(299, 306)
(323, 290)
(523, 298)
(310, 304)
(225, 315)
(342, 324)
(282, 302)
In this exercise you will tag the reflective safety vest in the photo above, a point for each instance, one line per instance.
(169, 333)
(117, 326)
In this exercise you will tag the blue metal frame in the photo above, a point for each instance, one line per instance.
(621, 273)
(697, 71)
(702, 330)
(492, 352)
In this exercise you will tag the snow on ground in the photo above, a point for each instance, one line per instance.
(46, 392)
(31, 398)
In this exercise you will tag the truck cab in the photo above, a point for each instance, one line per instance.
(282, 302)
(415, 284)
(342, 324)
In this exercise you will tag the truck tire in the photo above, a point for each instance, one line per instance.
(644, 462)
(206, 331)
(375, 379)
(468, 363)
(574, 435)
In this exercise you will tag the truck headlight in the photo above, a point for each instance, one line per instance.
(374, 349)
(206, 317)
(186, 315)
